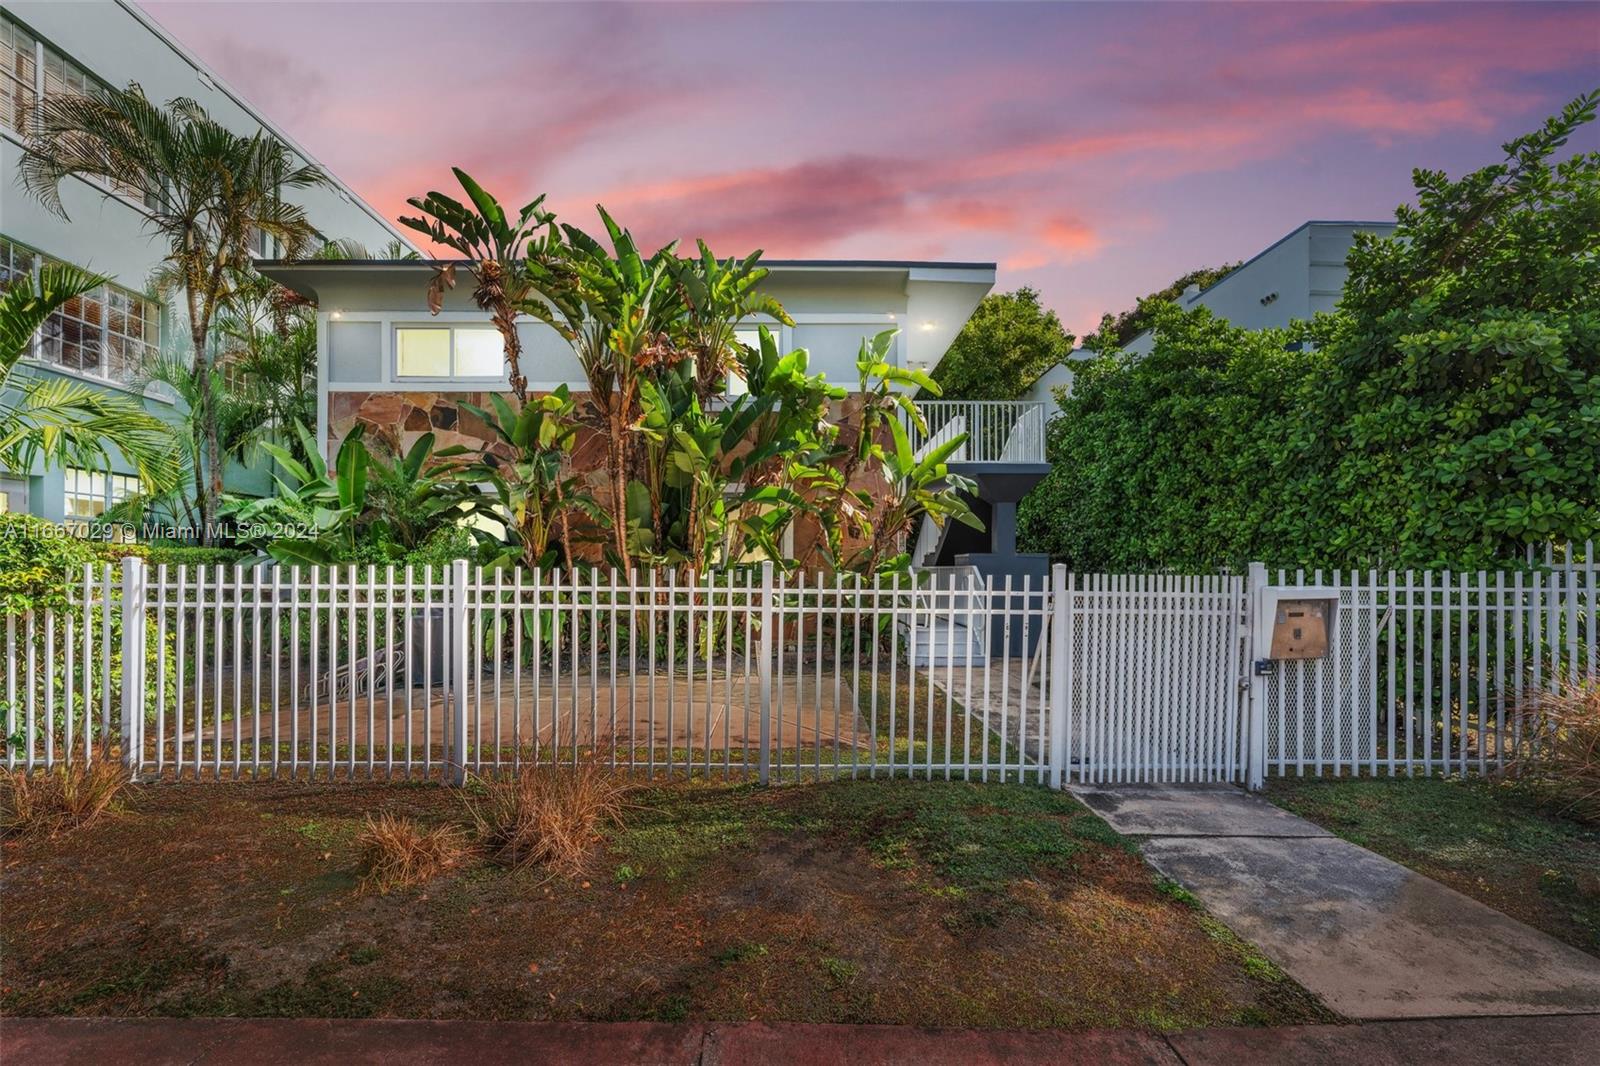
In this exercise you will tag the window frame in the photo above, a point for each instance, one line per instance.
(105, 295)
(452, 329)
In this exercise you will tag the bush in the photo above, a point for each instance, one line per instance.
(549, 816)
(1560, 756)
(68, 797)
(37, 560)
(172, 555)
(398, 853)
(1184, 457)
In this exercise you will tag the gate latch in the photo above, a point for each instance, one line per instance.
(1263, 667)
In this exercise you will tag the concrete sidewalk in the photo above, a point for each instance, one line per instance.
(1373, 939)
(1550, 1041)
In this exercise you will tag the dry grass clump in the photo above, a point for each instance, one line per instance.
(1560, 751)
(549, 816)
(398, 853)
(61, 799)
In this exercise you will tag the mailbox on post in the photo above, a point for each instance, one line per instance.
(1302, 620)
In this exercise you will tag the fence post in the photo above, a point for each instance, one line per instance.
(1256, 749)
(133, 650)
(456, 757)
(764, 663)
(1060, 682)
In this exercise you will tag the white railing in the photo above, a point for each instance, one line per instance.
(998, 431)
(359, 672)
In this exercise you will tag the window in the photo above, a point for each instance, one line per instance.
(422, 353)
(15, 261)
(107, 333)
(19, 85)
(440, 352)
(25, 77)
(90, 493)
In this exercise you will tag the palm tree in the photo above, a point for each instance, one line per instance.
(208, 191)
(59, 420)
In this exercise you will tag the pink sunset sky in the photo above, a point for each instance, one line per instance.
(1095, 151)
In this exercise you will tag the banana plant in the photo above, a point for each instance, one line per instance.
(499, 251)
(617, 316)
(312, 519)
(917, 487)
(524, 482)
(718, 295)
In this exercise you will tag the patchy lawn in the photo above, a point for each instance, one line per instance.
(937, 904)
(1483, 838)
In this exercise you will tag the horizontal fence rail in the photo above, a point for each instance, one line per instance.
(440, 673)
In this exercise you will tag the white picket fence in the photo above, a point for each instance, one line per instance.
(202, 673)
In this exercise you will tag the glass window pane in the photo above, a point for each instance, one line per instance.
(480, 353)
(422, 353)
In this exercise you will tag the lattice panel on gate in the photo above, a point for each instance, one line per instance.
(1323, 713)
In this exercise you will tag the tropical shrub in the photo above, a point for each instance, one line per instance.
(1448, 413)
(1190, 456)
(38, 560)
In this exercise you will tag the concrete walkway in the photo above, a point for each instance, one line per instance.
(1558, 1041)
(1372, 938)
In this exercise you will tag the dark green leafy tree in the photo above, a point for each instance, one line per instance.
(1007, 343)
(1117, 330)
(1185, 457)
(1460, 416)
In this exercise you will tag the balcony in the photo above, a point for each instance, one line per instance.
(999, 432)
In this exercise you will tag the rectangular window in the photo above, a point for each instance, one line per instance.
(480, 353)
(440, 352)
(18, 78)
(90, 493)
(422, 353)
(86, 494)
(107, 333)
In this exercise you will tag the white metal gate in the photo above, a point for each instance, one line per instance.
(1153, 673)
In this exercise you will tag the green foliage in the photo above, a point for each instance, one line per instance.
(1007, 343)
(531, 488)
(1447, 414)
(1461, 408)
(312, 520)
(1186, 457)
(38, 560)
(409, 497)
(1116, 330)
(57, 420)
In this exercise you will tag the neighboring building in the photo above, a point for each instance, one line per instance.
(53, 48)
(1296, 277)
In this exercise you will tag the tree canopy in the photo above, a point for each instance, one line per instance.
(1446, 414)
(1007, 343)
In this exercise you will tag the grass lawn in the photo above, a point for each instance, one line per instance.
(925, 903)
(1483, 838)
